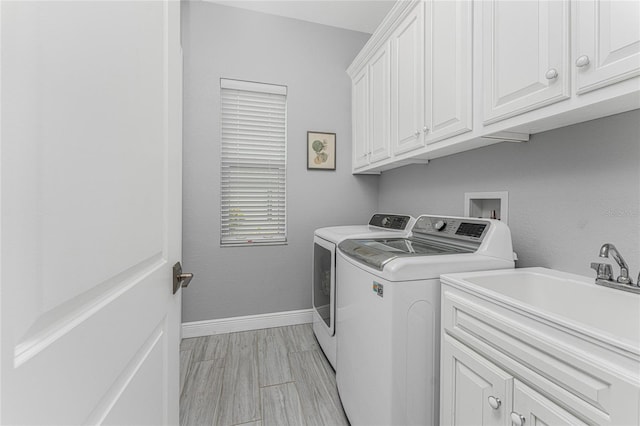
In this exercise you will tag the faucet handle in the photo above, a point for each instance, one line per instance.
(624, 280)
(604, 270)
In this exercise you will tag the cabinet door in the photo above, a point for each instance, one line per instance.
(525, 54)
(537, 410)
(407, 82)
(447, 67)
(467, 383)
(380, 105)
(607, 43)
(360, 113)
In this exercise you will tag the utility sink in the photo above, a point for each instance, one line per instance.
(566, 297)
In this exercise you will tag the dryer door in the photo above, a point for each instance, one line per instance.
(324, 281)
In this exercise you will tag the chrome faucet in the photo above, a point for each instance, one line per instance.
(624, 268)
(605, 273)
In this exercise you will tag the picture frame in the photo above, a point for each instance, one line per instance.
(321, 151)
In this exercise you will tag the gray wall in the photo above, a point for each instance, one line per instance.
(570, 190)
(223, 42)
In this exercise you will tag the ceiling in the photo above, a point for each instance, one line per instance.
(357, 15)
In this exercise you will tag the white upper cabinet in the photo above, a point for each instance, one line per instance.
(431, 75)
(360, 118)
(371, 110)
(448, 69)
(607, 48)
(407, 82)
(441, 77)
(380, 105)
(525, 51)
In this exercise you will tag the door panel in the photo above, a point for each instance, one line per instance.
(467, 381)
(407, 82)
(91, 107)
(360, 93)
(380, 101)
(538, 410)
(608, 33)
(448, 72)
(522, 43)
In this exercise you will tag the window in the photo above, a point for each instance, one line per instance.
(253, 165)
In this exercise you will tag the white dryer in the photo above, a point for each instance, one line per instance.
(388, 314)
(325, 241)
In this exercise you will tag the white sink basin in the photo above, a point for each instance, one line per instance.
(573, 298)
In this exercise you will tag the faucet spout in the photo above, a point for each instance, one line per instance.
(609, 248)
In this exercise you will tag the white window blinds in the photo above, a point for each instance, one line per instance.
(253, 165)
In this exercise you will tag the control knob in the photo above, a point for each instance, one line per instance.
(440, 225)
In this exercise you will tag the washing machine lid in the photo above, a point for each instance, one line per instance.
(430, 236)
(377, 252)
(380, 226)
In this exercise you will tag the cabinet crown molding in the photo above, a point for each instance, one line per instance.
(399, 10)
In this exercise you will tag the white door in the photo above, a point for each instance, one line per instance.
(447, 67)
(607, 43)
(91, 203)
(360, 114)
(407, 82)
(525, 56)
(380, 104)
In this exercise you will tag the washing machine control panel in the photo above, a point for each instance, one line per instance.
(440, 225)
(390, 221)
(472, 230)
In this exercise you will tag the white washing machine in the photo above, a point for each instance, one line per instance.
(325, 241)
(388, 314)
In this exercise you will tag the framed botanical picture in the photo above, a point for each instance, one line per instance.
(321, 151)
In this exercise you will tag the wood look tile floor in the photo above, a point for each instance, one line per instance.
(276, 376)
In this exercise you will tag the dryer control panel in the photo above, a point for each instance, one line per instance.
(390, 221)
(469, 230)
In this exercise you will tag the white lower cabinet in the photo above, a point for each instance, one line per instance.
(504, 365)
(478, 392)
(474, 391)
(533, 408)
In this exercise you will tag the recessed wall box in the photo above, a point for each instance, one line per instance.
(488, 205)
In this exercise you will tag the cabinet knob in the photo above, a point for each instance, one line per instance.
(582, 61)
(494, 402)
(425, 129)
(517, 419)
(417, 133)
(551, 74)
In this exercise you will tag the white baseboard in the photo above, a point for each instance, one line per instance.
(249, 322)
